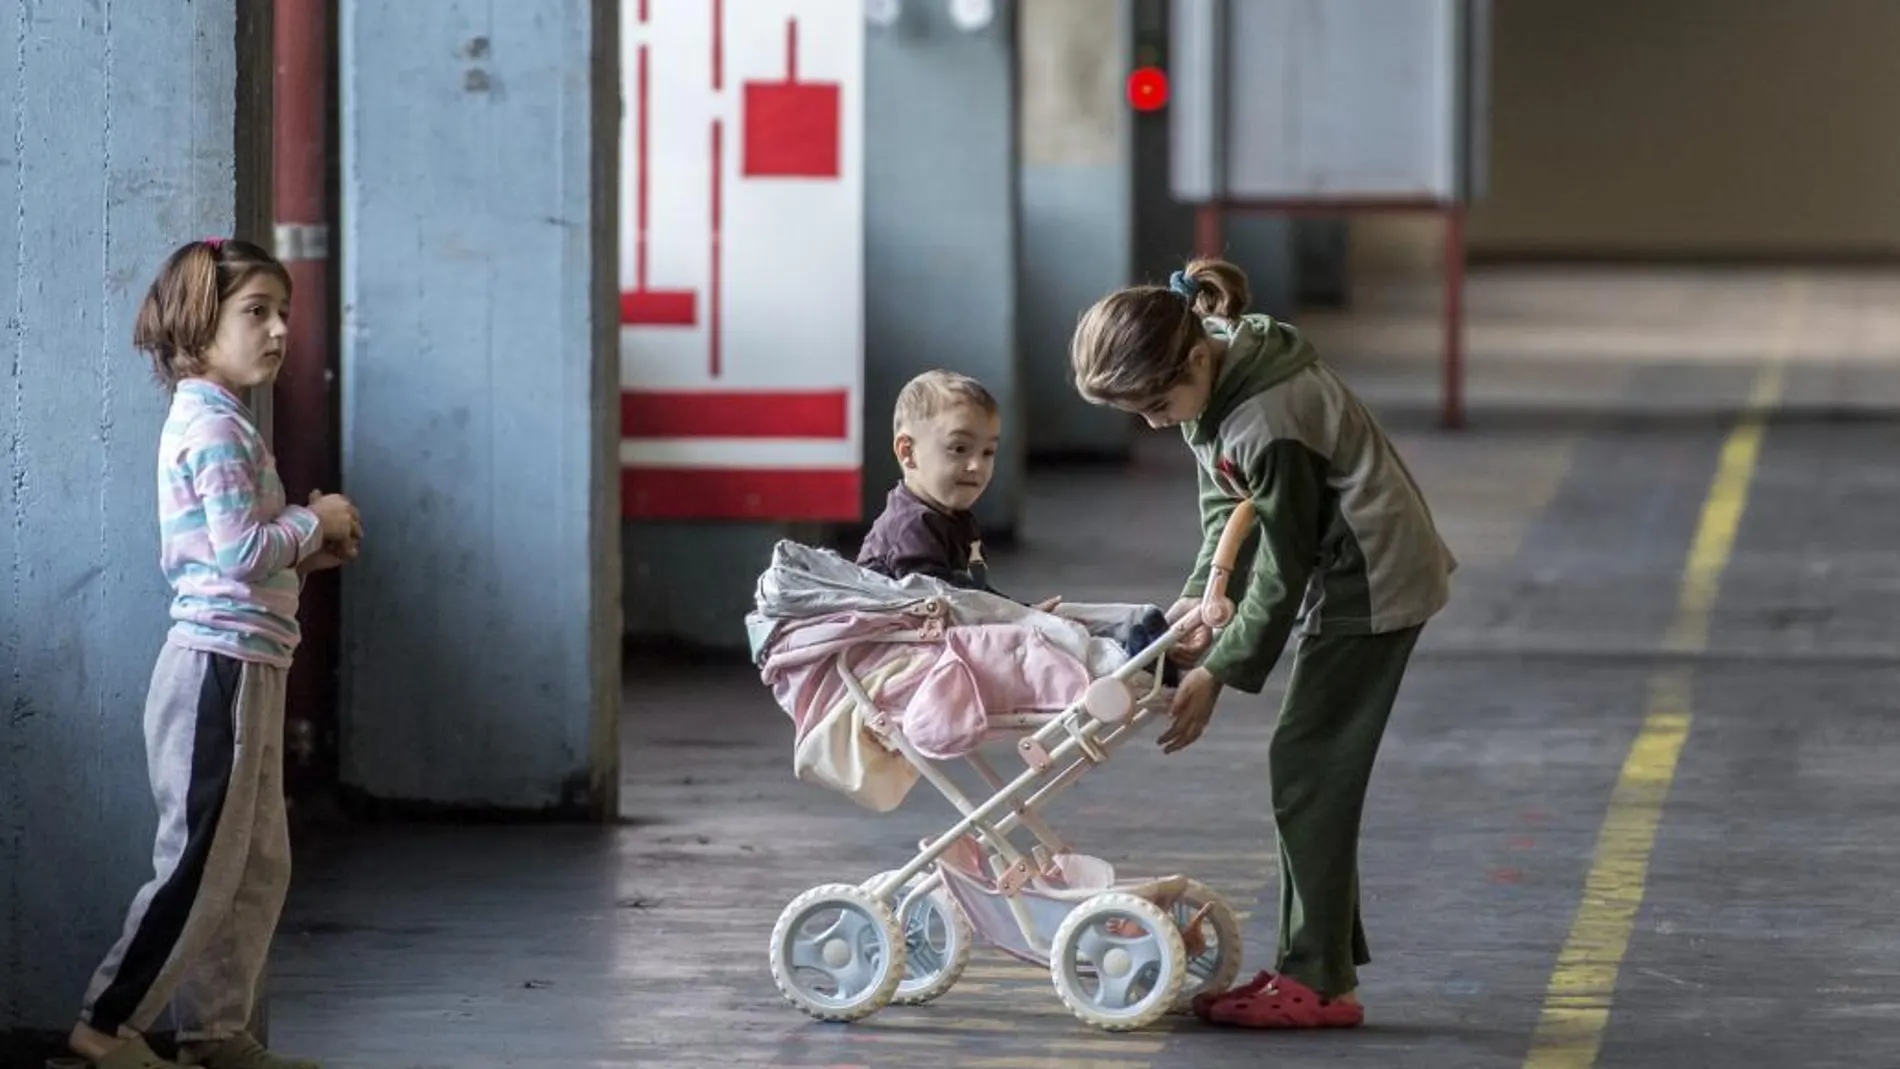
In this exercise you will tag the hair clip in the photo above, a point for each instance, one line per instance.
(215, 243)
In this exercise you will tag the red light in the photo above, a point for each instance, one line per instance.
(1147, 89)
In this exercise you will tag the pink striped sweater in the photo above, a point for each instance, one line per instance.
(229, 542)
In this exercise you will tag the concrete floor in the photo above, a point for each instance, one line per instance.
(1602, 410)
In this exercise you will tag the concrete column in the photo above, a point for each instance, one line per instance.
(119, 146)
(1077, 209)
(480, 404)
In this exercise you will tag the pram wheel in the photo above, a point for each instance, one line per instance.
(938, 938)
(1213, 945)
(1118, 961)
(837, 953)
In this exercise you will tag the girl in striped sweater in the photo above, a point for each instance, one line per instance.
(235, 553)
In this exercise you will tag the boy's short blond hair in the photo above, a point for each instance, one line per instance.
(935, 391)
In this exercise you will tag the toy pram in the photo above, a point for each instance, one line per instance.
(863, 664)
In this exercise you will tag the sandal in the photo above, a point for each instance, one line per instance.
(1285, 1003)
(1203, 1003)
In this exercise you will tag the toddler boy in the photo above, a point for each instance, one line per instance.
(945, 432)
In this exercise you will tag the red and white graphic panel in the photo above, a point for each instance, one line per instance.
(741, 259)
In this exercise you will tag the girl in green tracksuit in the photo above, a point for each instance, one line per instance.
(1345, 548)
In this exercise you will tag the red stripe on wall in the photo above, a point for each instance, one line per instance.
(649, 414)
(741, 494)
(658, 308)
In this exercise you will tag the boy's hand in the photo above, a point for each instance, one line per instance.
(1193, 706)
(1048, 605)
(1193, 644)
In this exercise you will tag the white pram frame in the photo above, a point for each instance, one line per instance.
(1122, 953)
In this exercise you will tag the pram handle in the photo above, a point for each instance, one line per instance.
(1217, 609)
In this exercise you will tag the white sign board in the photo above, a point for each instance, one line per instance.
(741, 259)
(1328, 100)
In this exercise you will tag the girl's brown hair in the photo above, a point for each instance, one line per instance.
(179, 317)
(1133, 345)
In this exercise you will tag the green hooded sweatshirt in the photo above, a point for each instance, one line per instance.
(1345, 541)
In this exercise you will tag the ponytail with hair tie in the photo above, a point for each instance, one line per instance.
(1185, 287)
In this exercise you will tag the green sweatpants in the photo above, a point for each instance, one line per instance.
(1334, 715)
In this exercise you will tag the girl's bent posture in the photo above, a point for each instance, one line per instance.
(235, 553)
(1345, 545)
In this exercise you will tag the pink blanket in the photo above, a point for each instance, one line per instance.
(941, 685)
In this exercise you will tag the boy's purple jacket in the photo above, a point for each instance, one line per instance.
(910, 537)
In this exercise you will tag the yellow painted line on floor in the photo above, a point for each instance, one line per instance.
(1577, 1003)
(1722, 518)
(1582, 986)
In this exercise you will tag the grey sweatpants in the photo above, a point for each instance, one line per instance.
(199, 930)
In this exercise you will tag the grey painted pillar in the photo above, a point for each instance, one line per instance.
(941, 234)
(1077, 209)
(1164, 227)
(480, 403)
(119, 147)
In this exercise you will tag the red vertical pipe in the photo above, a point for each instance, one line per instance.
(304, 402)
